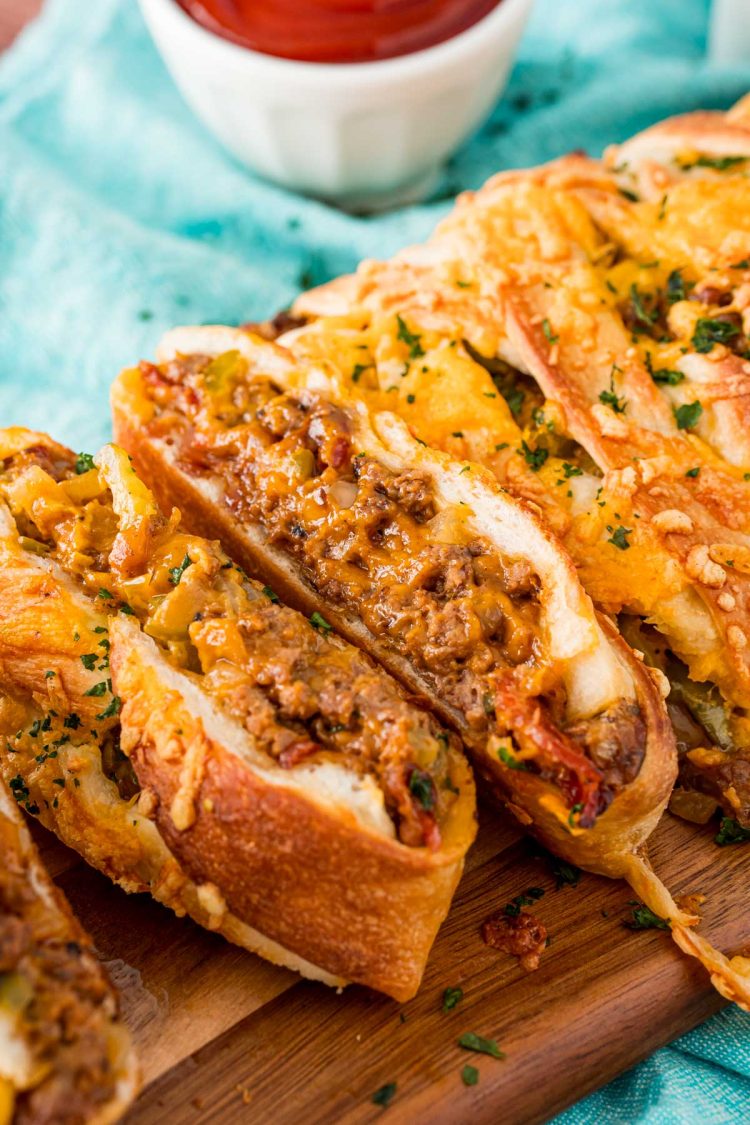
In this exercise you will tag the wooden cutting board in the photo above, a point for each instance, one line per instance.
(224, 1037)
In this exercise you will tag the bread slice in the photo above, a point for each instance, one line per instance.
(203, 815)
(65, 1056)
(196, 430)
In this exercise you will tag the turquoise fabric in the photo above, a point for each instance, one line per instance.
(120, 217)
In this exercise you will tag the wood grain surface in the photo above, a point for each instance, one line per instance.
(13, 15)
(224, 1037)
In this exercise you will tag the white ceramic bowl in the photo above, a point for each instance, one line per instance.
(363, 135)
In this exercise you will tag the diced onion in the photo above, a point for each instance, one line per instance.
(343, 492)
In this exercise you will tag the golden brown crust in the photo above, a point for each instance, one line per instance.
(308, 876)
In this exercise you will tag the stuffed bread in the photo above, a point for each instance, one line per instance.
(583, 330)
(65, 1057)
(192, 737)
(458, 589)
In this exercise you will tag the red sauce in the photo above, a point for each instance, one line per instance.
(336, 31)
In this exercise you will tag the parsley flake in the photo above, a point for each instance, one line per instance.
(534, 458)
(710, 330)
(547, 330)
(619, 537)
(84, 463)
(472, 1042)
(411, 339)
(176, 572)
(452, 997)
(687, 415)
(645, 919)
(318, 621)
(730, 832)
(384, 1096)
(470, 1075)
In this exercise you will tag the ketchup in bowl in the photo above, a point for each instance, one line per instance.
(337, 31)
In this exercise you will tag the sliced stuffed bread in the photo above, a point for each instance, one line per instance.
(193, 737)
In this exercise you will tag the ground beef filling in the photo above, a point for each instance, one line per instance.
(305, 695)
(366, 536)
(302, 694)
(61, 995)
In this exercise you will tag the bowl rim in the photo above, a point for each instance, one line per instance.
(410, 65)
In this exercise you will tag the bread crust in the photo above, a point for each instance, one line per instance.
(314, 880)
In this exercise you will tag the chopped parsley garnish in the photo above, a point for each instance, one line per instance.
(547, 330)
(717, 163)
(451, 997)
(514, 400)
(573, 813)
(709, 331)
(693, 472)
(359, 368)
(666, 378)
(676, 288)
(176, 572)
(534, 458)
(662, 207)
(457, 433)
(112, 710)
(743, 264)
(411, 398)
(72, 721)
(422, 788)
(272, 597)
(89, 660)
(645, 919)
(610, 398)
(97, 689)
(619, 537)
(384, 1096)
(565, 874)
(84, 462)
(571, 470)
(471, 1042)
(469, 1075)
(528, 898)
(105, 594)
(687, 415)
(49, 674)
(509, 759)
(730, 832)
(318, 621)
(411, 339)
(642, 315)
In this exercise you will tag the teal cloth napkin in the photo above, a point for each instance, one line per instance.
(120, 217)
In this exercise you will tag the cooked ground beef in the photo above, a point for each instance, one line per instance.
(61, 995)
(615, 742)
(522, 935)
(727, 780)
(463, 614)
